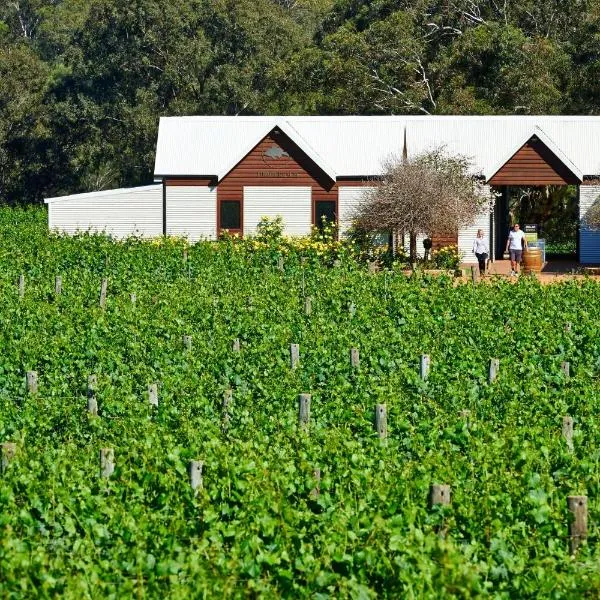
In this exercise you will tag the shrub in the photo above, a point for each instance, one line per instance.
(270, 231)
(447, 257)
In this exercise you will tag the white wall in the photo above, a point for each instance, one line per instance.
(348, 200)
(192, 212)
(467, 235)
(589, 239)
(293, 204)
(120, 213)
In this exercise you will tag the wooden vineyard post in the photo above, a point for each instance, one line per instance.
(381, 420)
(567, 431)
(304, 409)
(187, 343)
(493, 370)
(133, 298)
(92, 403)
(354, 358)
(21, 286)
(352, 309)
(107, 462)
(439, 494)
(103, 289)
(294, 355)
(227, 400)
(303, 260)
(307, 306)
(465, 415)
(185, 255)
(280, 263)
(58, 285)
(32, 382)
(425, 365)
(236, 345)
(578, 506)
(474, 274)
(195, 472)
(568, 326)
(565, 368)
(8, 451)
(153, 394)
(316, 491)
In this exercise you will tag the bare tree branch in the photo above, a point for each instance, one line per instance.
(27, 28)
(431, 193)
(393, 92)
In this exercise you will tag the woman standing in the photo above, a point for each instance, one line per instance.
(481, 250)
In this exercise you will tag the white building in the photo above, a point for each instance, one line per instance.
(215, 173)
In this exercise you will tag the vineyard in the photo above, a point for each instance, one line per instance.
(218, 479)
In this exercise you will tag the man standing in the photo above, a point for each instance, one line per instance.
(515, 243)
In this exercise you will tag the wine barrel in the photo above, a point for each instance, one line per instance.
(532, 260)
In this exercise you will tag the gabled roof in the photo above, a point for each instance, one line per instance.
(292, 134)
(347, 146)
(548, 142)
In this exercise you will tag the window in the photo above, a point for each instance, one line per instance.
(230, 215)
(324, 212)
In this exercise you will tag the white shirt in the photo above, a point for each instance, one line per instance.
(480, 246)
(515, 240)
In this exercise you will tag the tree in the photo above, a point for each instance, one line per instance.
(496, 68)
(22, 133)
(83, 82)
(131, 61)
(431, 193)
(382, 69)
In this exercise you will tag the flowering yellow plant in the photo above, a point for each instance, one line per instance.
(447, 257)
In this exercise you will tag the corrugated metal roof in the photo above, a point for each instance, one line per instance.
(358, 146)
(102, 193)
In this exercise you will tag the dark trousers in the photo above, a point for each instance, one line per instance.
(481, 259)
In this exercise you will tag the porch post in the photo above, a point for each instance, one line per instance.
(164, 208)
(501, 222)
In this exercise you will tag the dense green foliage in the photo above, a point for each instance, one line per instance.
(254, 529)
(83, 82)
(556, 211)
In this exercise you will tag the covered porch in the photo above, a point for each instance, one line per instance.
(538, 170)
